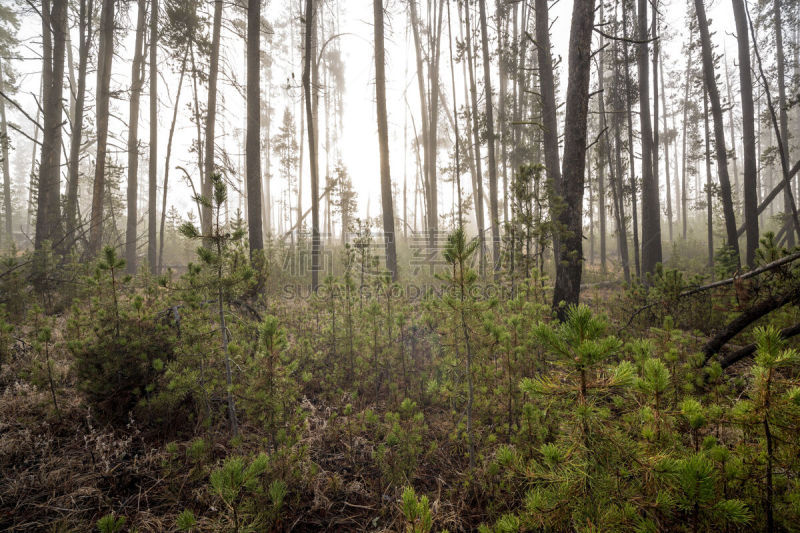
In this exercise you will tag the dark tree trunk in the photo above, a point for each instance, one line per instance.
(719, 127)
(84, 44)
(48, 211)
(383, 142)
(433, 90)
(547, 89)
(782, 114)
(748, 133)
(478, 175)
(631, 158)
(211, 119)
(568, 270)
(502, 127)
(152, 185)
(494, 213)
(666, 152)
(709, 197)
(9, 224)
(685, 160)
(133, 140)
(312, 143)
(651, 206)
(253, 142)
(616, 175)
(105, 56)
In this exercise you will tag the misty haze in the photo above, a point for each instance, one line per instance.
(399, 265)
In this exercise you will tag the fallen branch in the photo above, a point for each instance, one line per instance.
(745, 319)
(746, 351)
(752, 273)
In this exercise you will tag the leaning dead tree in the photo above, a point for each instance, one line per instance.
(769, 267)
(783, 289)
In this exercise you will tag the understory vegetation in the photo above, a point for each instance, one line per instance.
(212, 401)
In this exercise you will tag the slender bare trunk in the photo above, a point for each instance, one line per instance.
(719, 128)
(133, 140)
(105, 56)
(152, 186)
(383, 142)
(494, 212)
(310, 52)
(211, 118)
(748, 133)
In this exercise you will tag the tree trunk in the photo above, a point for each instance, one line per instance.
(651, 208)
(568, 270)
(685, 162)
(211, 118)
(166, 166)
(719, 127)
(502, 127)
(84, 43)
(253, 142)
(748, 134)
(383, 142)
(656, 53)
(312, 142)
(709, 198)
(48, 212)
(152, 186)
(631, 165)
(782, 114)
(423, 99)
(615, 175)
(552, 162)
(732, 126)
(434, 38)
(666, 153)
(9, 224)
(105, 56)
(478, 175)
(133, 140)
(494, 212)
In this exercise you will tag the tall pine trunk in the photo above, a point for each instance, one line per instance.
(152, 170)
(73, 169)
(383, 142)
(782, 114)
(569, 268)
(685, 157)
(312, 142)
(48, 211)
(709, 198)
(552, 161)
(133, 140)
(494, 213)
(211, 119)
(651, 209)
(719, 128)
(253, 142)
(105, 56)
(631, 164)
(478, 174)
(750, 180)
(9, 224)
